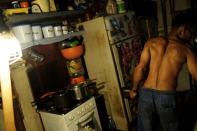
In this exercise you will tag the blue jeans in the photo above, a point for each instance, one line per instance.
(154, 105)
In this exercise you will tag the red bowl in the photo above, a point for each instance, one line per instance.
(72, 53)
(77, 80)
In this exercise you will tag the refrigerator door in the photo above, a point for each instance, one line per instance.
(121, 26)
(126, 56)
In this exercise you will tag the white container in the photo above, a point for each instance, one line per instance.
(37, 32)
(58, 30)
(65, 29)
(48, 31)
(23, 33)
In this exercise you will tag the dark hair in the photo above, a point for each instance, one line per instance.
(187, 19)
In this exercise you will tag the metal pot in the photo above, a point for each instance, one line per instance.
(63, 100)
(79, 91)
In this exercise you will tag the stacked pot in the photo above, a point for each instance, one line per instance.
(72, 51)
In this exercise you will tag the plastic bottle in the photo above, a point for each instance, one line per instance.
(121, 6)
(111, 7)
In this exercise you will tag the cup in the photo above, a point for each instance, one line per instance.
(37, 32)
(48, 31)
(58, 30)
(65, 29)
(23, 33)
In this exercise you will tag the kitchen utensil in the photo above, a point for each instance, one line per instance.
(91, 89)
(23, 33)
(47, 94)
(79, 91)
(63, 100)
(45, 102)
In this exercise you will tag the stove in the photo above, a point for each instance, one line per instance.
(83, 117)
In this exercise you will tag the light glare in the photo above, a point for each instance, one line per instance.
(9, 47)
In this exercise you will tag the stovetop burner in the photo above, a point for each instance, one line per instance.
(79, 102)
(65, 110)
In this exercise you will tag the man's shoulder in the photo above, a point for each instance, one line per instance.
(157, 41)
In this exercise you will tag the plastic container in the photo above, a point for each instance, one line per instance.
(121, 6)
(24, 4)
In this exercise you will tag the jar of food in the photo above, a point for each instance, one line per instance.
(75, 67)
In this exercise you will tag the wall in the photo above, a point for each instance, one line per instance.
(179, 5)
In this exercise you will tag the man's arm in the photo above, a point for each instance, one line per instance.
(140, 69)
(192, 63)
(142, 66)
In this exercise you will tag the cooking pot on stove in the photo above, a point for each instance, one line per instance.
(63, 100)
(79, 90)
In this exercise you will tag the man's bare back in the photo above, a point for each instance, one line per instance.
(166, 60)
(162, 59)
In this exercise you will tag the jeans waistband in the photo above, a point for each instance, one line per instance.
(158, 91)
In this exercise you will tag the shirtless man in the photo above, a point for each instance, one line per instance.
(163, 58)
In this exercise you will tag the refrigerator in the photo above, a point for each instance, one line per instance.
(113, 46)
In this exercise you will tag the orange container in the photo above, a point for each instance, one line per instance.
(77, 80)
(72, 53)
(24, 4)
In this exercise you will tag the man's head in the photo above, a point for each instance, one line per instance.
(184, 26)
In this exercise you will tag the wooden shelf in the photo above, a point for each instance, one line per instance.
(51, 40)
(46, 18)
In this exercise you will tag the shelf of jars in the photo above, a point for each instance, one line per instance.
(49, 17)
(51, 40)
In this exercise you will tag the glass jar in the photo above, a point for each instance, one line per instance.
(75, 68)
